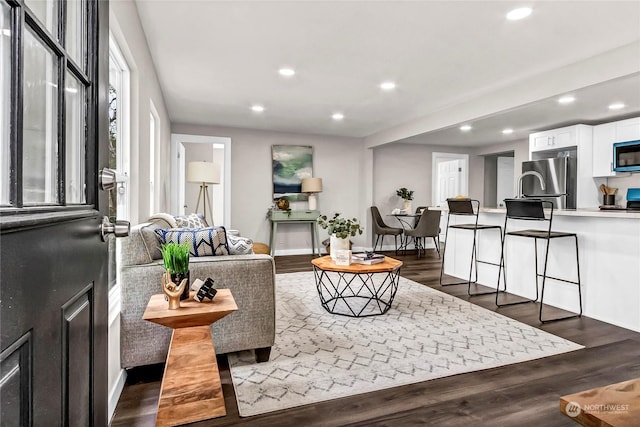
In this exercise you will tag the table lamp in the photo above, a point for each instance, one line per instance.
(312, 186)
(203, 173)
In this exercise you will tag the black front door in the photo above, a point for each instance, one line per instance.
(53, 261)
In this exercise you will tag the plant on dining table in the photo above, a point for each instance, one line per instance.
(404, 193)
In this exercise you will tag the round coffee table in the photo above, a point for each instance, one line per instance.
(356, 290)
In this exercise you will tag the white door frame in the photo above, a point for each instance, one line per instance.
(178, 178)
(436, 158)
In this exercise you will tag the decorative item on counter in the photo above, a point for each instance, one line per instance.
(608, 195)
(407, 196)
(339, 230)
(173, 291)
(204, 291)
(176, 260)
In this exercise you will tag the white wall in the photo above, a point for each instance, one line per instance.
(145, 89)
(336, 160)
(125, 25)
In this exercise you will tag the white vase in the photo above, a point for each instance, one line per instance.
(406, 206)
(337, 243)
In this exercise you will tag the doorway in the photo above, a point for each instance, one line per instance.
(186, 148)
(450, 177)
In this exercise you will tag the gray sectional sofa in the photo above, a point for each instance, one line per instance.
(251, 279)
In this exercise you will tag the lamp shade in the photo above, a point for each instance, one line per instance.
(311, 185)
(203, 172)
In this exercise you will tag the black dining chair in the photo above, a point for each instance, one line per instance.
(540, 211)
(428, 226)
(380, 229)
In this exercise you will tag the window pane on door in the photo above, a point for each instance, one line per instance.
(40, 122)
(47, 12)
(76, 32)
(5, 101)
(75, 95)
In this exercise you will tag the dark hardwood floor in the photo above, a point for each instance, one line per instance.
(524, 394)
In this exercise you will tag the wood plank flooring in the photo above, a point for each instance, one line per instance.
(524, 394)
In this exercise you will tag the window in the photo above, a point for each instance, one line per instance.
(5, 102)
(43, 110)
(118, 148)
(154, 135)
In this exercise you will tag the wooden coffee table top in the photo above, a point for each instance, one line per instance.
(611, 405)
(191, 312)
(326, 263)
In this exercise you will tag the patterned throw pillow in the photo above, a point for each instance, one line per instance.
(239, 245)
(202, 241)
(191, 221)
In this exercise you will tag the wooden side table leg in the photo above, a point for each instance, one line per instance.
(191, 389)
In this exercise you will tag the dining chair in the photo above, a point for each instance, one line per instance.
(428, 226)
(380, 229)
(419, 210)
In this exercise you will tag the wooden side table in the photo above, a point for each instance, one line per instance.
(191, 390)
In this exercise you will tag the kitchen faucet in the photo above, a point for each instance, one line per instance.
(538, 175)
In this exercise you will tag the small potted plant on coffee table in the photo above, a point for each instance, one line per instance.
(339, 229)
(176, 262)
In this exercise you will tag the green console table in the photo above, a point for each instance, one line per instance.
(294, 217)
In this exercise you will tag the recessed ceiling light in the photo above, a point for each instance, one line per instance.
(286, 72)
(388, 86)
(257, 108)
(617, 106)
(519, 13)
(337, 116)
(566, 99)
(465, 128)
(507, 131)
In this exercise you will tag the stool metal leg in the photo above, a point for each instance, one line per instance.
(544, 277)
(484, 262)
(503, 268)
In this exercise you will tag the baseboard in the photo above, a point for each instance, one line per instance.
(115, 392)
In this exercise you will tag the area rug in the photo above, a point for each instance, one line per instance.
(426, 334)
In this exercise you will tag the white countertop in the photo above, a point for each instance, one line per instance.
(592, 212)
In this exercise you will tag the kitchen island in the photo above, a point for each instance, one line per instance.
(609, 244)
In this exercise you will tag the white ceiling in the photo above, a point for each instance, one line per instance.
(215, 59)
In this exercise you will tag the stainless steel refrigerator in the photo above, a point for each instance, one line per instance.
(559, 175)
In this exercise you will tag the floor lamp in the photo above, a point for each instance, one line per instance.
(204, 173)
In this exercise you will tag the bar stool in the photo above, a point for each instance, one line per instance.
(468, 207)
(534, 210)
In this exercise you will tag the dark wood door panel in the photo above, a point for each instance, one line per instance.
(60, 313)
(16, 400)
(77, 333)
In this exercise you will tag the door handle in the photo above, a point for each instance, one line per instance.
(120, 228)
(107, 179)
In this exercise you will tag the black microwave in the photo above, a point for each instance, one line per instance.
(626, 156)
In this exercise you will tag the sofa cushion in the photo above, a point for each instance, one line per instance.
(202, 241)
(239, 245)
(193, 220)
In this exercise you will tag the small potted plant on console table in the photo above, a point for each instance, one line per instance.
(176, 262)
(339, 229)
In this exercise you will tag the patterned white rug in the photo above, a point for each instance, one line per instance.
(426, 334)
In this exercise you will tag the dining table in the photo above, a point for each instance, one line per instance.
(407, 221)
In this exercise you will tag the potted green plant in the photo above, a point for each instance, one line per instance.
(339, 229)
(176, 262)
(407, 196)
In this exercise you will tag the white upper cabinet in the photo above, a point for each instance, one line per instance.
(570, 136)
(603, 138)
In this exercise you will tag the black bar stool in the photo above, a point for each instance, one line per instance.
(468, 207)
(534, 210)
